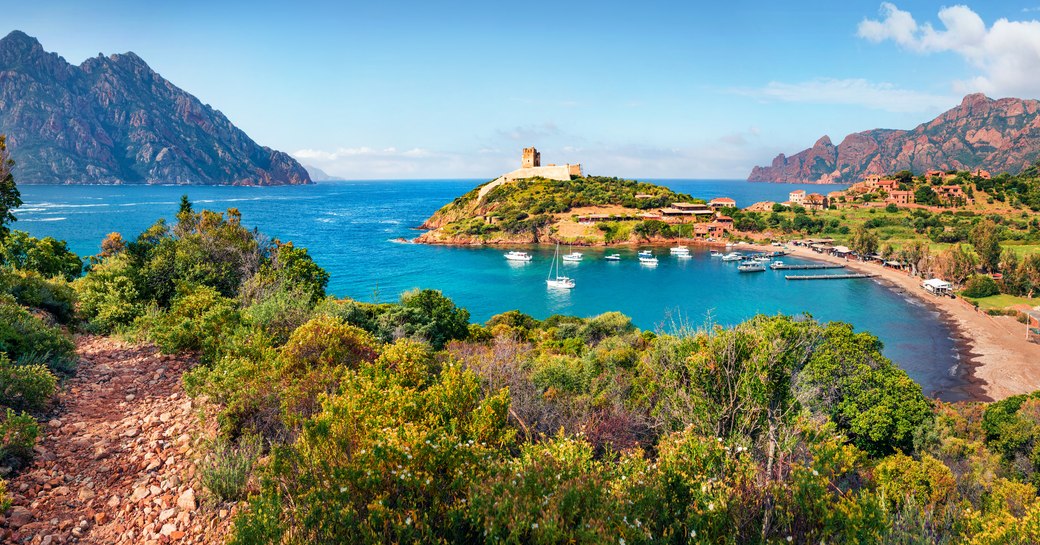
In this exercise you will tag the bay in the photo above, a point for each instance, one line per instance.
(350, 228)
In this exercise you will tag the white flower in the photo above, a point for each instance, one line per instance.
(621, 541)
(815, 473)
(790, 539)
(534, 525)
(711, 506)
(408, 521)
(693, 533)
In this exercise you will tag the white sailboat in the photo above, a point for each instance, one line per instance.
(680, 250)
(559, 282)
(573, 256)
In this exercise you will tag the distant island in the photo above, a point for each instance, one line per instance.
(113, 120)
(545, 203)
(981, 133)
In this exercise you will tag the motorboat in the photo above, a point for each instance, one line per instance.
(557, 281)
(716, 253)
(647, 260)
(518, 256)
(646, 253)
(733, 256)
(612, 257)
(776, 265)
(751, 267)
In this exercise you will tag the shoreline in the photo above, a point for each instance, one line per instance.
(998, 362)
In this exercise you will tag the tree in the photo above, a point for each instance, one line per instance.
(864, 242)
(914, 253)
(985, 237)
(10, 198)
(956, 264)
(926, 196)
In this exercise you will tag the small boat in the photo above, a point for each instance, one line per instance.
(518, 256)
(612, 257)
(675, 250)
(733, 256)
(647, 260)
(716, 253)
(683, 255)
(573, 257)
(777, 265)
(558, 282)
(751, 267)
(646, 253)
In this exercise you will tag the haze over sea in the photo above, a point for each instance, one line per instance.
(350, 228)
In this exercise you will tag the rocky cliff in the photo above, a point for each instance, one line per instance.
(996, 135)
(115, 120)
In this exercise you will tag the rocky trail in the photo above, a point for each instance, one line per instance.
(115, 464)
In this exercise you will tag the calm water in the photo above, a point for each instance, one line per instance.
(349, 228)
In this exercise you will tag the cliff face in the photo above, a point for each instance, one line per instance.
(996, 135)
(114, 120)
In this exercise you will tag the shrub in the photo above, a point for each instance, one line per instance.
(979, 286)
(5, 500)
(281, 312)
(325, 341)
(197, 320)
(24, 336)
(112, 294)
(226, 468)
(18, 433)
(427, 315)
(47, 256)
(31, 289)
(25, 387)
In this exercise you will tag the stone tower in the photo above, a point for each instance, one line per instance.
(531, 158)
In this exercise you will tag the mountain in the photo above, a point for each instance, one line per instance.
(996, 135)
(114, 120)
(319, 175)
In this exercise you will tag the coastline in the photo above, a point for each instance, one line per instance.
(998, 361)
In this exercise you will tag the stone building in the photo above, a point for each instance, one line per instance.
(531, 167)
(531, 158)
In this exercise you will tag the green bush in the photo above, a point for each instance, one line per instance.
(111, 295)
(281, 312)
(198, 320)
(226, 469)
(31, 289)
(24, 336)
(979, 286)
(49, 257)
(18, 434)
(25, 387)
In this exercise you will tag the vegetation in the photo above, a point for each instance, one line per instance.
(342, 421)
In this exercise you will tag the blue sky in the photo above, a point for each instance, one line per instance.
(369, 90)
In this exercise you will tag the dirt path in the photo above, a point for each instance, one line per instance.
(1003, 360)
(115, 464)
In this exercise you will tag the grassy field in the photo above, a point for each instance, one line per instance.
(1002, 301)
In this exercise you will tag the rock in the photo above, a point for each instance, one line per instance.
(168, 529)
(186, 500)
(19, 516)
(167, 514)
(176, 535)
(61, 491)
(140, 493)
(130, 397)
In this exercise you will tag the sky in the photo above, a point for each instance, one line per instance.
(392, 89)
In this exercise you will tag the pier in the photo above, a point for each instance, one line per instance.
(827, 276)
(815, 266)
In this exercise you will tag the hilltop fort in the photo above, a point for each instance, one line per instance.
(531, 167)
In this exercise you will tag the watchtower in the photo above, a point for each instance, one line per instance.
(531, 158)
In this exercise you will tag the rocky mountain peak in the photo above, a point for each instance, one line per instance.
(115, 120)
(996, 135)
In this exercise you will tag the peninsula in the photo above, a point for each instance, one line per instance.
(537, 203)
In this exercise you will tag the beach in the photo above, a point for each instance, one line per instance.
(1002, 362)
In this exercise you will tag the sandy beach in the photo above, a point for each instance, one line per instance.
(1003, 363)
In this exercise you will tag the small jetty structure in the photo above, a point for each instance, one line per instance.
(804, 266)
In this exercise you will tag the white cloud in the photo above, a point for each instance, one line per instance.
(855, 92)
(1006, 54)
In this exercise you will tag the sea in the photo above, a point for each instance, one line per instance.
(354, 229)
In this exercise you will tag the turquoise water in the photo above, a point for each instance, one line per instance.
(350, 228)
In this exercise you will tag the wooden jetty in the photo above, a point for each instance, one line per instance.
(814, 266)
(827, 276)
